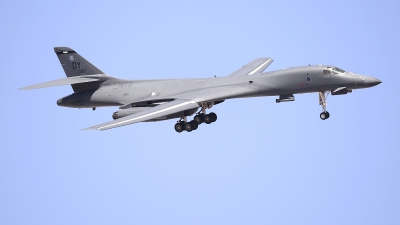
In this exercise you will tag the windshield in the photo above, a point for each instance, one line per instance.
(336, 70)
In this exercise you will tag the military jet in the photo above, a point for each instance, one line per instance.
(156, 100)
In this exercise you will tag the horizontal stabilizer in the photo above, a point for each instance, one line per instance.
(253, 67)
(67, 81)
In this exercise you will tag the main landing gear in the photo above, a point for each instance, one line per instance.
(322, 101)
(201, 117)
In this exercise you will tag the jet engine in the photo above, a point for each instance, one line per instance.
(129, 111)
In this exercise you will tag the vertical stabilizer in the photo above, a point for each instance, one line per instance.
(75, 65)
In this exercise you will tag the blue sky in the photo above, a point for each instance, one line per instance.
(260, 163)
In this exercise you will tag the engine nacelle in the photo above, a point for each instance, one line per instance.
(129, 111)
(126, 112)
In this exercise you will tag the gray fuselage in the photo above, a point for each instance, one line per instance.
(306, 79)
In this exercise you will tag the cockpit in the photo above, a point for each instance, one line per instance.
(333, 70)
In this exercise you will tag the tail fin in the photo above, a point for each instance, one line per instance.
(75, 65)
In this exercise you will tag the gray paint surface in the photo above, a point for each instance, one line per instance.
(176, 98)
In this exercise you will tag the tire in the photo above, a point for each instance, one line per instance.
(199, 119)
(189, 127)
(208, 119)
(195, 125)
(213, 117)
(178, 127)
(323, 116)
(327, 115)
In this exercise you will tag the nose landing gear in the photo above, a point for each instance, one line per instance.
(322, 101)
(324, 115)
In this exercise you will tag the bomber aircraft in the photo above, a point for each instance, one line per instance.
(156, 100)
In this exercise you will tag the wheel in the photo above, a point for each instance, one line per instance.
(327, 114)
(189, 127)
(179, 127)
(323, 116)
(199, 119)
(213, 116)
(195, 125)
(208, 119)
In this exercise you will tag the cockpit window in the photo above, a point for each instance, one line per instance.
(326, 72)
(336, 70)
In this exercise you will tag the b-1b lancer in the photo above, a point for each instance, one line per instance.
(156, 100)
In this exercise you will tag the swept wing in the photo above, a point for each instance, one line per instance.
(253, 67)
(155, 112)
(182, 102)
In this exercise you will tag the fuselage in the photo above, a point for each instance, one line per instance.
(296, 80)
(155, 100)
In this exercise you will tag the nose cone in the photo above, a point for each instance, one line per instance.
(371, 81)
